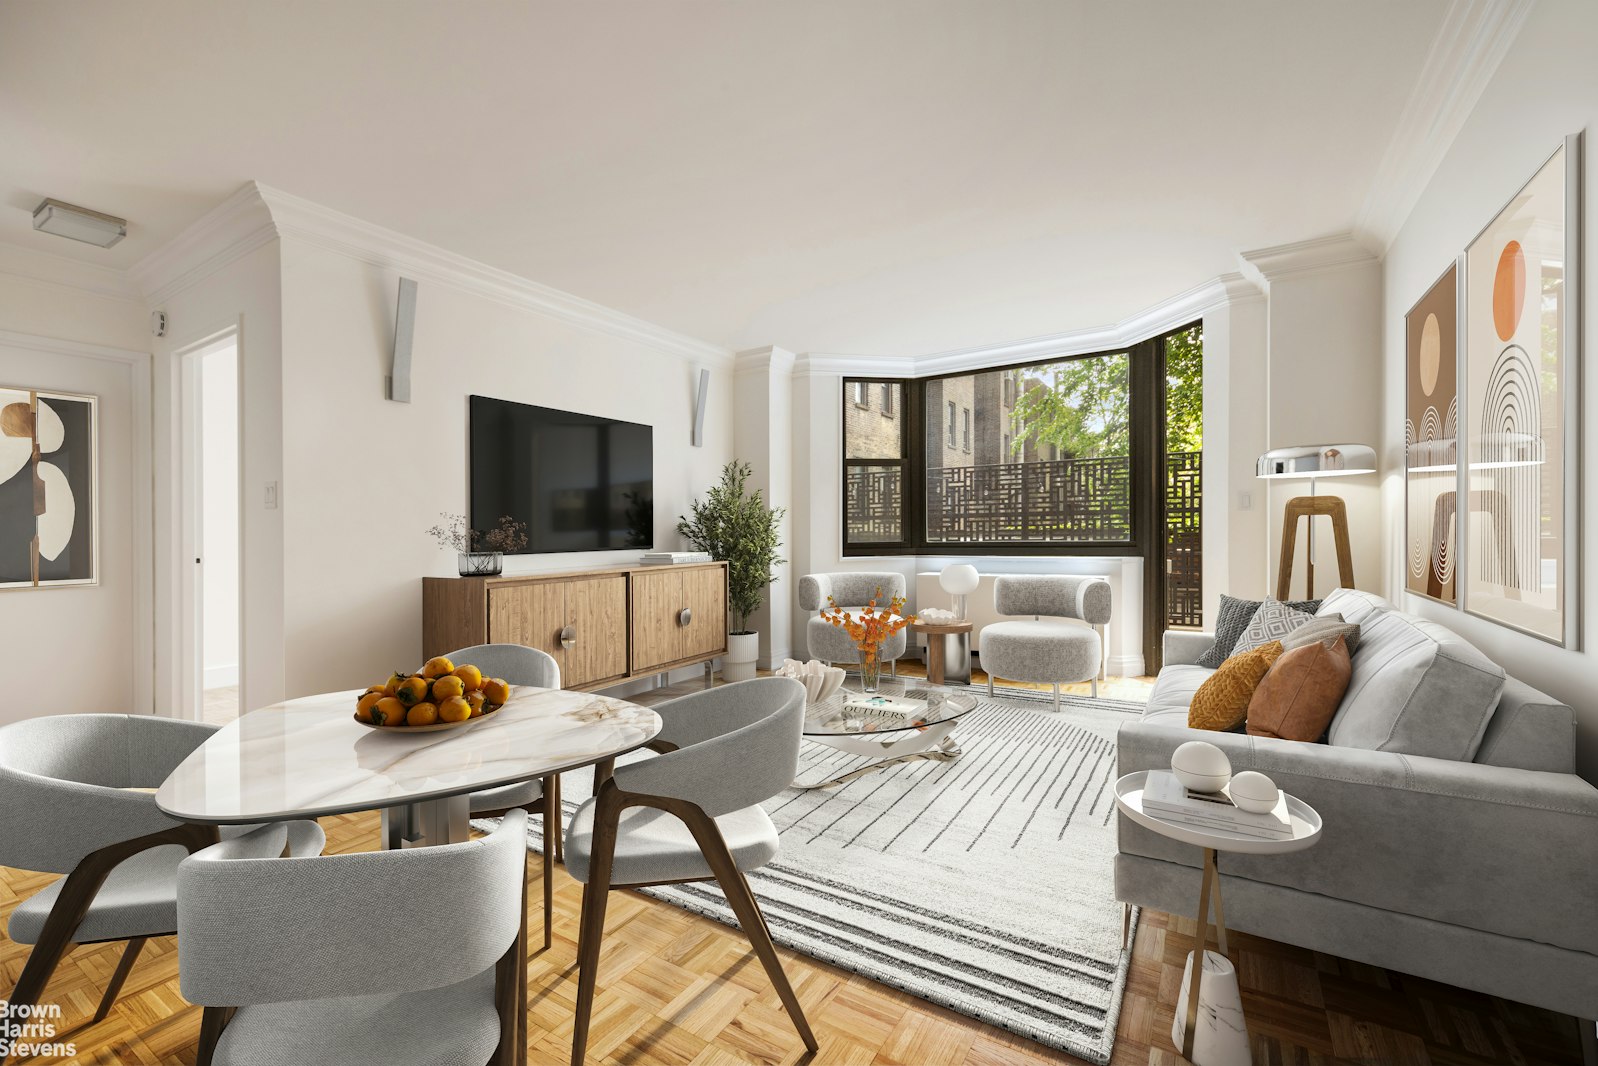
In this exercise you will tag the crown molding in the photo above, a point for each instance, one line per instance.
(814, 364)
(229, 231)
(778, 361)
(1265, 265)
(296, 218)
(59, 346)
(48, 268)
(1469, 46)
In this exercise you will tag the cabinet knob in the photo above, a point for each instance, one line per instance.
(568, 637)
(685, 616)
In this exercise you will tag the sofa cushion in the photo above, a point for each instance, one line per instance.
(1416, 689)
(1529, 731)
(1324, 629)
(1221, 702)
(1230, 621)
(1173, 692)
(1354, 605)
(1301, 692)
(1273, 621)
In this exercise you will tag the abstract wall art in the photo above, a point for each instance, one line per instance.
(1522, 345)
(1431, 440)
(48, 503)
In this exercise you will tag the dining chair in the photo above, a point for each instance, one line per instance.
(520, 665)
(67, 789)
(692, 813)
(393, 957)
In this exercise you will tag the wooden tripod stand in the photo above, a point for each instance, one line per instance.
(1313, 507)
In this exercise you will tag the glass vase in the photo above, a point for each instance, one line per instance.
(870, 674)
(481, 564)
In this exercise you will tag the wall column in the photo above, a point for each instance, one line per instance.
(763, 438)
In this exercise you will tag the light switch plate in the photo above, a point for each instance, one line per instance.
(271, 495)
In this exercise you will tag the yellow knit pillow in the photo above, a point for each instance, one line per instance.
(1221, 703)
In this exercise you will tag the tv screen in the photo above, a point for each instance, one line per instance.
(580, 483)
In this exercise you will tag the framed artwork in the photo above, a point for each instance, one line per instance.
(49, 457)
(1521, 522)
(1431, 441)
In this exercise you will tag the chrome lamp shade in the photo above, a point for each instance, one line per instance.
(1317, 461)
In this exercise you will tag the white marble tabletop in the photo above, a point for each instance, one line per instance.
(309, 757)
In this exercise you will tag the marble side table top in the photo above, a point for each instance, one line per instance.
(309, 757)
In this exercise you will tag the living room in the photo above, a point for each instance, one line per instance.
(800, 516)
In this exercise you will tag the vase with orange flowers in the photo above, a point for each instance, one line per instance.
(870, 630)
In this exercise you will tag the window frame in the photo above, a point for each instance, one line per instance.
(905, 545)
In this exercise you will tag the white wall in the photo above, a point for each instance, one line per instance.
(219, 466)
(363, 477)
(95, 636)
(1546, 87)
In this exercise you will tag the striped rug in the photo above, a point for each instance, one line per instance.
(983, 885)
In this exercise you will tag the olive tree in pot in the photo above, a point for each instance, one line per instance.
(736, 527)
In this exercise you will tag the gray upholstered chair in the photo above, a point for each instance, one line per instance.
(413, 956)
(522, 665)
(852, 591)
(1047, 649)
(692, 814)
(76, 792)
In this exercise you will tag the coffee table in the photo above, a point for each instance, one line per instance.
(888, 739)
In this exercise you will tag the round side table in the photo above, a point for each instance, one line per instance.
(948, 652)
(1221, 1041)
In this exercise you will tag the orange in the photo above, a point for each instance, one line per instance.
(454, 709)
(447, 686)
(422, 714)
(495, 691)
(394, 681)
(476, 699)
(437, 667)
(363, 706)
(380, 689)
(388, 711)
(470, 676)
(411, 691)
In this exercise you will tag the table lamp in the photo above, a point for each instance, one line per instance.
(959, 581)
(1315, 461)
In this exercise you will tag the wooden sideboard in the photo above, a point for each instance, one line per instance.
(602, 626)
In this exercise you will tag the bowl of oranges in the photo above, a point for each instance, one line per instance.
(440, 695)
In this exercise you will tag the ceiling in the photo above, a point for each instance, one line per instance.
(844, 176)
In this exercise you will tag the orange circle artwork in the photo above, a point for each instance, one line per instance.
(1509, 290)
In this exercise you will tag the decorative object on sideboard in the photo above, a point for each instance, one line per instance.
(1520, 426)
(819, 679)
(959, 580)
(1201, 766)
(49, 491)
(479, 553)
(870, 630)
(1315, 461)
(736, 527)
(1252, 791)
(673, 558)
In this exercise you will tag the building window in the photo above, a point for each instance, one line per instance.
(965, 430)
(862, 395)
(888, 391)
(952, 426)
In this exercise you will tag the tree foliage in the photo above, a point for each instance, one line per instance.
(737, 528)
(1082, 406)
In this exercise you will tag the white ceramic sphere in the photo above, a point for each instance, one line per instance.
(1201, 766)
(960, 579)
(1253, 791)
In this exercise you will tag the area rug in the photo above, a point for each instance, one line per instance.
(983, 885)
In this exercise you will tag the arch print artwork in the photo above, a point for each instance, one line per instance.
(1520, 533)
(1431, 440)
(48, 505)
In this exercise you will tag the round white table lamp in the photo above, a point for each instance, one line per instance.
(959, 581)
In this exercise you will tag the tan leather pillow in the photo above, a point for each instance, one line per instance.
(1221, 703)
(1301, 693)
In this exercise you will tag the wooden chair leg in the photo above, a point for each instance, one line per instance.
(596, 895)
(130, 955)
(212, 1022)
(560, 820)
(551, 834)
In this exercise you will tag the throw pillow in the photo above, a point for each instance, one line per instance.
(1324, 629)
(1221, 702)
(1230, 621)
(1273, 621)
(1301, 692)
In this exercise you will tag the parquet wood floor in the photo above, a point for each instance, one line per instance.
(680, 990)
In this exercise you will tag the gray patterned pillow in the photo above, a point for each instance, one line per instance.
(1274, 620)
(1234, 617)
(1325, 629)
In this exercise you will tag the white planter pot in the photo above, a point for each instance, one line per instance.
(739, 662)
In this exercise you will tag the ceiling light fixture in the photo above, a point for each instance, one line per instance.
(79, 223)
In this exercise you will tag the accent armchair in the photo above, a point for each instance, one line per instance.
(852, 591)
(1047, 648)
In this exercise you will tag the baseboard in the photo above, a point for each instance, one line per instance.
(1126, 666)
(224, 676)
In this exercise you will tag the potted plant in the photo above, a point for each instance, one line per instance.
(736, 527)
(479, 553)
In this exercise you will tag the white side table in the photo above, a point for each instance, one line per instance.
(1221, 1039)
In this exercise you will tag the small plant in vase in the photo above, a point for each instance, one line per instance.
(870, 630)
(480, 552)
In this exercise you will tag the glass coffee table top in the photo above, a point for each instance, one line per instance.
(933, 706)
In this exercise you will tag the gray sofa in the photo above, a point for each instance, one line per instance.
(1458, 842)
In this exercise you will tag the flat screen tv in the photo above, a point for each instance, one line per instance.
(580, 483)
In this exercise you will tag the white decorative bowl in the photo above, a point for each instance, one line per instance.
(1201, 766)
(1253, 791)
(819, 679)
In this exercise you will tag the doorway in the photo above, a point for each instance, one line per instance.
(213, 591)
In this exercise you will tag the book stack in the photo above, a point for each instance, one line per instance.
(674, 558)
(1166, 797)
